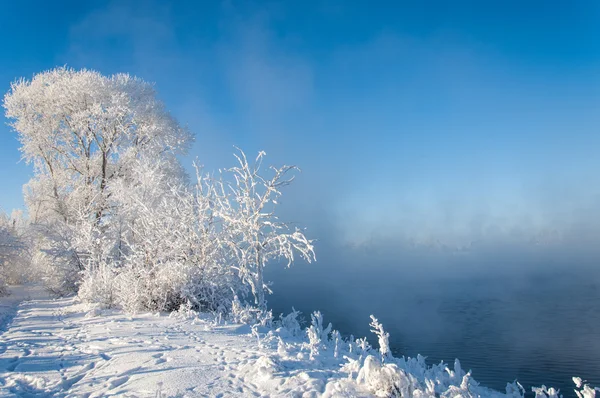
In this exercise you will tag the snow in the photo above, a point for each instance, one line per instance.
(60, 347)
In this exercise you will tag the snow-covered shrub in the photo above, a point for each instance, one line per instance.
(193, 244)
(185, 311)
(242, 313)
(15, 250)
(290, 323)
(318, 337)
(351, 367)
(381, 374)
(249, 314)
(385, 380)
(584, 390)
(545, 392)
(358, 370)
(54, 257)
(314, 342)
(176, 253)
(363, 346)
(98, 286)
(246, 207)
(153, 288)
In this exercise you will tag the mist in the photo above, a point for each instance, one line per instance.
(503, 302)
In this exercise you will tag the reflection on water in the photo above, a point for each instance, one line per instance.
(538, 330)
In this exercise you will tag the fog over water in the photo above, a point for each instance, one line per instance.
(526, 310)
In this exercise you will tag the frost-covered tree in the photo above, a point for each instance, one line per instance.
(85, 132)
(255, 234)
(81, 130)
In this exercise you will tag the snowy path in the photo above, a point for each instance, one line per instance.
(54, 347)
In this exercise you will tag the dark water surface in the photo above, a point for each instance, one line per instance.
(541, 329)
(543, 333)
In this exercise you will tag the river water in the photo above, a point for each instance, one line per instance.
(539, 329)
(543, 332)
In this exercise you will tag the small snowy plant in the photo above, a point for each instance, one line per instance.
(317, 336)
(584, 390)
(290, 323)
(250, 315)
(515, 390)
(382, 338)
(545, 392)
(336, 339)
(185, 311)
(363, 345)
(242, 313)
(98, 286)
(314, 342)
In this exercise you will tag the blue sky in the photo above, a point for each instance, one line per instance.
(430, 121)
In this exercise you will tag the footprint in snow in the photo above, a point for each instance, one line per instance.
(161, 358)
(119, 381)
(14, 362)
(104, 356)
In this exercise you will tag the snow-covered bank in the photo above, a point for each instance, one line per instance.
(59, 347)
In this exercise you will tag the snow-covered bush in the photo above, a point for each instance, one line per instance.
(55, 259)
(290, 323)
(255, 236)
(357, 369)
(385, 380)
(249, 314)
(545, 392)
(584, 390)
(173, 251)
(515, 390)
(98, 286)
(15, 250)
(192, 244)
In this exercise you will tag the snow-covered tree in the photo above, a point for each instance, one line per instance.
(81, 130)
(84, 132)
(255, 234)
